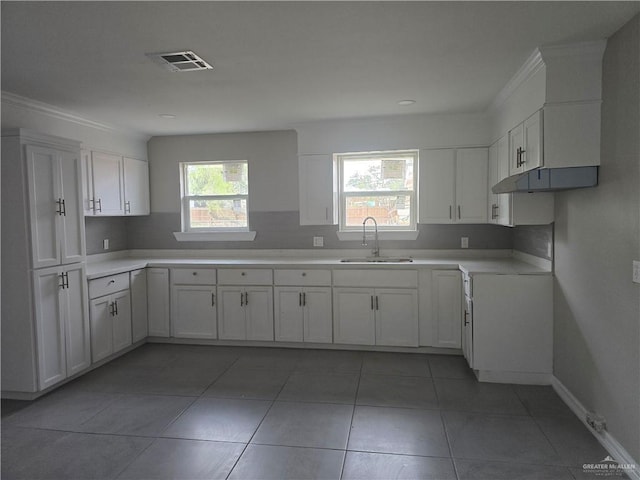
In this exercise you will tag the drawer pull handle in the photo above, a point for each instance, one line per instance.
(111, 281)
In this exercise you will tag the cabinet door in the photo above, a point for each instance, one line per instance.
(467, 334)
(43, 174)
(76, 318)
(193, 311)
(122, 320)
(471, 185)
(516, 142)
(288, 321)
(52, 363)
(317, 315)
(533, 153)
(447, 303)
(158, 301)
(259, 313)
(108, 185)
(136, 187)
(503, 200)
(396, 317)
(231, 313)
(316, 184)
(437, 182)
(101, 314)
(492, 199)
(354, 316)
(87, 182)
(139, 326)
(72, 242)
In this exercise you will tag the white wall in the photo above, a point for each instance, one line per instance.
(273, 166)
(34, 116)
(393, 132)
(597, 235)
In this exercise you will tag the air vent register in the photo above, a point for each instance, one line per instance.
(185, 61)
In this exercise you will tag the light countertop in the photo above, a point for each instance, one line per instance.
(100, 266)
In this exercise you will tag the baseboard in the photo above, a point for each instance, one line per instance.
(521, 378)
(608, 441)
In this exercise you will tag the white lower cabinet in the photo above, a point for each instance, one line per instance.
(139, 325)
(511, 335)
(446, 304)
(193, 311)
(62, 327)
(245, 312)
(303, 314)
(368, 316)
(467, 331)
(110, 324)
(158, 301)
(396, 317)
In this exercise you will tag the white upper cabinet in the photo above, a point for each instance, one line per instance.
(316, 183)
(437, 186)
(453, 185)
(113, 185)
(511, 209)
(107, 177)
(136, 187)
(525, 145)
(471, 178)
(57, 227)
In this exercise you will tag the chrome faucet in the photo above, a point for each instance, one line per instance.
(376, 247)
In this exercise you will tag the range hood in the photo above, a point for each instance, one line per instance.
(549, 180)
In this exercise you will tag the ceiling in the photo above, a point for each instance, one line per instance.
(278, 64)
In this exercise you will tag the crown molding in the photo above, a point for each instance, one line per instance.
(55, 112)
(528, 69)
(595, 48)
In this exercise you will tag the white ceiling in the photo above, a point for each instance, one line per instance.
(277, 64)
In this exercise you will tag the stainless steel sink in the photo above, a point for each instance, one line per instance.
(377, 260)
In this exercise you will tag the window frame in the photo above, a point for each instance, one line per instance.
(342, 196)
(185, 199)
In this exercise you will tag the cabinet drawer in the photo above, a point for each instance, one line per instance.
(245, 276)
(99, 287)
(193, 276)
(302, 277)
(375, 278)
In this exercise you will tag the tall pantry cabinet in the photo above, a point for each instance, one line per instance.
(45, 322)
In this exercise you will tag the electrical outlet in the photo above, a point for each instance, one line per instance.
(636, 271)
(105, 244)
(464, 242)
(318, 241)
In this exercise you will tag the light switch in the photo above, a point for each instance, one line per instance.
(105, 244)
(464, 242)
(636, 271)
(318, 241)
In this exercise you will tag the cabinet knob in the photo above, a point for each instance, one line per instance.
(194, 273)
(243, 274)
(304, 274)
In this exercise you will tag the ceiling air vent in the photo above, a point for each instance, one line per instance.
(186, 61)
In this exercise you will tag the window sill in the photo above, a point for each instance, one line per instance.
(384, 235)
(238, 236)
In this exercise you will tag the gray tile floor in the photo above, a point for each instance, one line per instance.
(194, 412)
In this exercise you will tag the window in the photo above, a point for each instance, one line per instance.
(214, 196)
(378, 184)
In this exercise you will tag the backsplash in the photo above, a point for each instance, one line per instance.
(282, 230)
(535, 240)
(99, 228)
